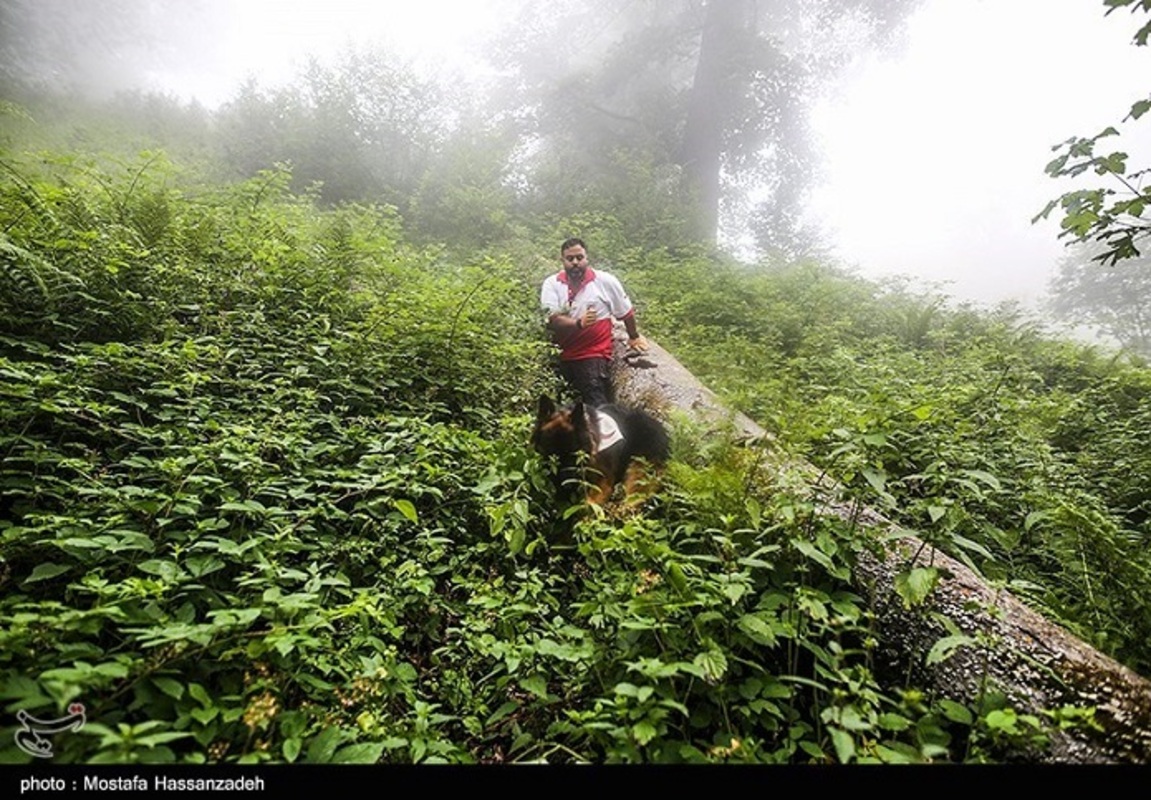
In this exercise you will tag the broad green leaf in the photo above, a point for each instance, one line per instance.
(956, 712)
(516, 538)
(204, 715)
(43, 572)
(915, 585)
(199, 693)
(734, 590)
(713, 663)
(564, 652)
(419, 748)
(291, 749)
(643, 732)
(359, 753)
(247, 506)
(323, 745)
(199, 566)
(974, 547)
(898, 753)
(537, 685)
(812, 749)
(162, 569)
(754, 511)
(945, 647)
(1001, 719)
(893, 722)
(169, 686)
(985, 477)
(408, 509)
(757, 629)
(876, 478)
(1055, 167)
(852, 720)
(501, 712)
(844, 744)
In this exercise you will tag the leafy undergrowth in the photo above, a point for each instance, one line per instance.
(1019, 452)
(266, 497)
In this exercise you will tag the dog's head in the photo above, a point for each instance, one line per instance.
(560, 431)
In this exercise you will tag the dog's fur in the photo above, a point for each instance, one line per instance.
(566, 432)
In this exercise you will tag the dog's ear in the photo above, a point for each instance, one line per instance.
(546, 407)
(579, 416)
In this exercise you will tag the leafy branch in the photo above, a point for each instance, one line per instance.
(1114, 218)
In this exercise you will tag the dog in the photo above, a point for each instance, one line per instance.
(610, 437)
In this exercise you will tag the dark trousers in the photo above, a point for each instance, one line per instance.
(591, 380)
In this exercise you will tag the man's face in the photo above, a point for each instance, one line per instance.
(575, 262)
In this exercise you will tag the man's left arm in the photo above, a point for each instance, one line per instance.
(624, 311)
(629, 324)
(620, 302)
(634, 340)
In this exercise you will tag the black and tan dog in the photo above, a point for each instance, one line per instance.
(611, 438)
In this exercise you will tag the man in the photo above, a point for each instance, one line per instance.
(580, 303)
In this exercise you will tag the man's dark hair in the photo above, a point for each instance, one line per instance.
(572, 242)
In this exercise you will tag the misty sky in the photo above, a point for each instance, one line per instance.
(936, 158)
(935, 153)
(271, 39)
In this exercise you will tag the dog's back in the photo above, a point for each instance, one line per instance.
(644, 436)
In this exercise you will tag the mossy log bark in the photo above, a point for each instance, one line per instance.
(1038, 665)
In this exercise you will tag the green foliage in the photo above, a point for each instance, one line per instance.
(265, 496)
(1114, 219)
(1021, 455)
(1133, 6)
(360, 130)
(638, 198)
(230, 423)
(265, 493)
(464, 199)
(243, 475)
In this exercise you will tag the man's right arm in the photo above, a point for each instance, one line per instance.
(549, 302)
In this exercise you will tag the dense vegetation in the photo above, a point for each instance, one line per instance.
(1021, 453)
(266, 494)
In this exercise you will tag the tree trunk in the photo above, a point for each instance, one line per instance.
(1039, 666)
(717, 79)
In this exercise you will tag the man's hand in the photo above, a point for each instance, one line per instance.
(589, 317)
(639, 344)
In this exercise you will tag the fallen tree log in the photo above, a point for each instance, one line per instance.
(1038, 666)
